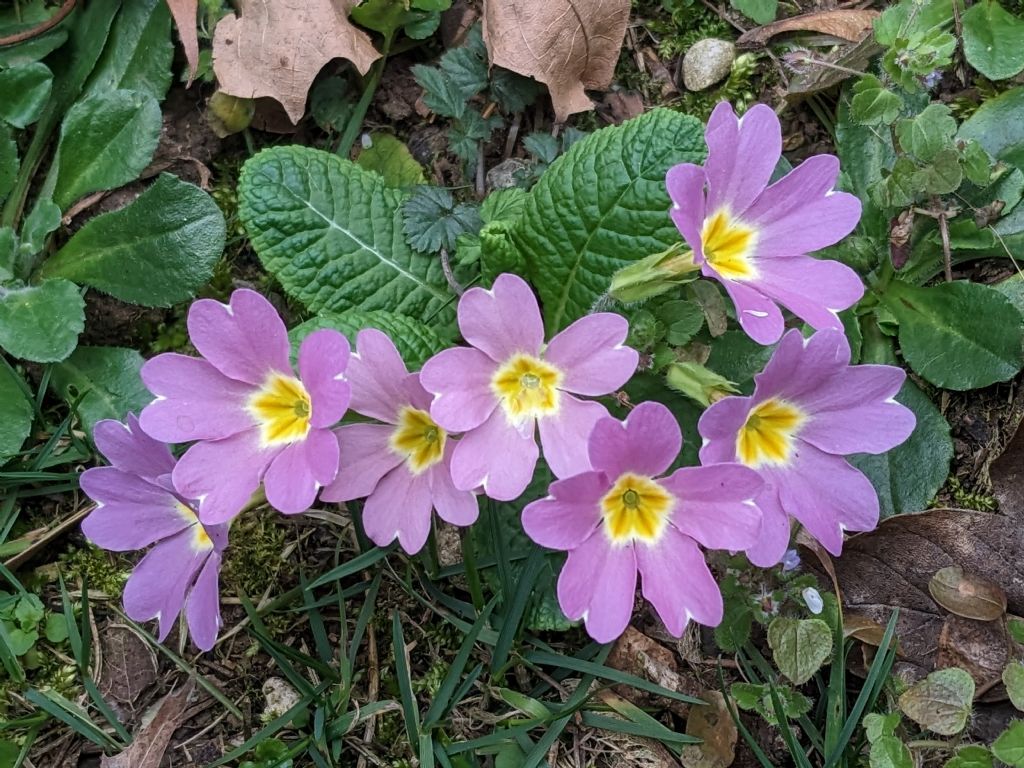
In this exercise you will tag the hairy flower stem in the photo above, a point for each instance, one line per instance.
(355, 123)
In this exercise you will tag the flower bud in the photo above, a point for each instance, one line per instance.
(698, 383)
(654, 275)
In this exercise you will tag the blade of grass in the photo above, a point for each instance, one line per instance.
(356, 564)
(657, 731)
(515, 610)
(748, 737)
(73, 716)
(410, 709)
(792, 743)
(440, 706)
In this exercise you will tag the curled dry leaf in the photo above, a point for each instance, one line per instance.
(846, 25)
(277, 47)
(569, 45)
(967, 595)
(714, 725)
(636, 653)
(151, 741)
(981, 648)
(184, 13)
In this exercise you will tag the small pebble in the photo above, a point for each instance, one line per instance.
(707, 62)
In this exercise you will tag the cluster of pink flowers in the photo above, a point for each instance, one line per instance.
(468, 423)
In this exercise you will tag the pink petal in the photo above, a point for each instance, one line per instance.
(460, 380)
(194, 401)
(758, 316)
(156, 589)
(715, 504)
(497, 456)
(245, 340)
(323, 357)
(816, 224)
(569, 514)
(685, 185)
(814, 178)
(224, 474)
(591, 356)
(647, 442)
(399, 508)
(376, 372)
(742, 154)
(564, 435)
(129, 448)
(872, 428)
(773, 538)
(454, 506)
(597, 584)
(801, 367)
(132, 512)
(826, 495)
(300, 471)
(677, 582)
(719, 425)
(502, 321)
(365, 457)
(812, 289)
(202, 609)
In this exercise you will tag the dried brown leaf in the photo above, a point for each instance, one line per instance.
(892, 566)
(846, 25)
(569, 45)
(184, 13)
(714, 725)
(981, 648)
(967, 595)
(277, 47)
(151, 741)
(129, 665)
(636, 653)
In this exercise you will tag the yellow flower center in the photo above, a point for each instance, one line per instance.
(637, 508)
(201, 540)
(728, 244)
(282, 409)
(418, 439)
(768, 433)
(527, 387)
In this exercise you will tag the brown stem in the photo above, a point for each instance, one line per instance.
(947, 256)
(39, 29)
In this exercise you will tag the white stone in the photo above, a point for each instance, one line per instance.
(707, 62)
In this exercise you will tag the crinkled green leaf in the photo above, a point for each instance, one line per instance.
(972, 756)
(927, 134)
(15, 412)
(511, 90)
(958, 335)
(41, 323)
(465, 135)
(761, 11)
(440, 92)
(876, 726)
(977, 164)
(331, 233)
(106, 140)
(601, 206)
(503, 205)
(799, 646)
(9, 162)
(1009, 747)
(873, 104)
(908, 476)
(156, 251)
(432, 220)
(389, 157)
(416, 342)
(758, 698)
(992, 40)
(941, 176)
(138, 53)
(107, 380)
(543, 146)
(941, 702)
(911, 17)
(25, 90)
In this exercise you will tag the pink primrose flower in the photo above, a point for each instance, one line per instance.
(509, 384)
(809, 409)
(254, 419)
(754, 237)
(622, 517)
(137, 505)
(403, 466)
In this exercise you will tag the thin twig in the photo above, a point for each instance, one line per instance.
(41, 28)
(446, 267)
(947, 256)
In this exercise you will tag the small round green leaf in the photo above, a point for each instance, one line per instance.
(799, 646)
(41, 323)
(941, 702)
(390, 158)
(992, 40)
(890, 752)
(25, 89)
(1009, 747)
(971, 757)
(1013, 679)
